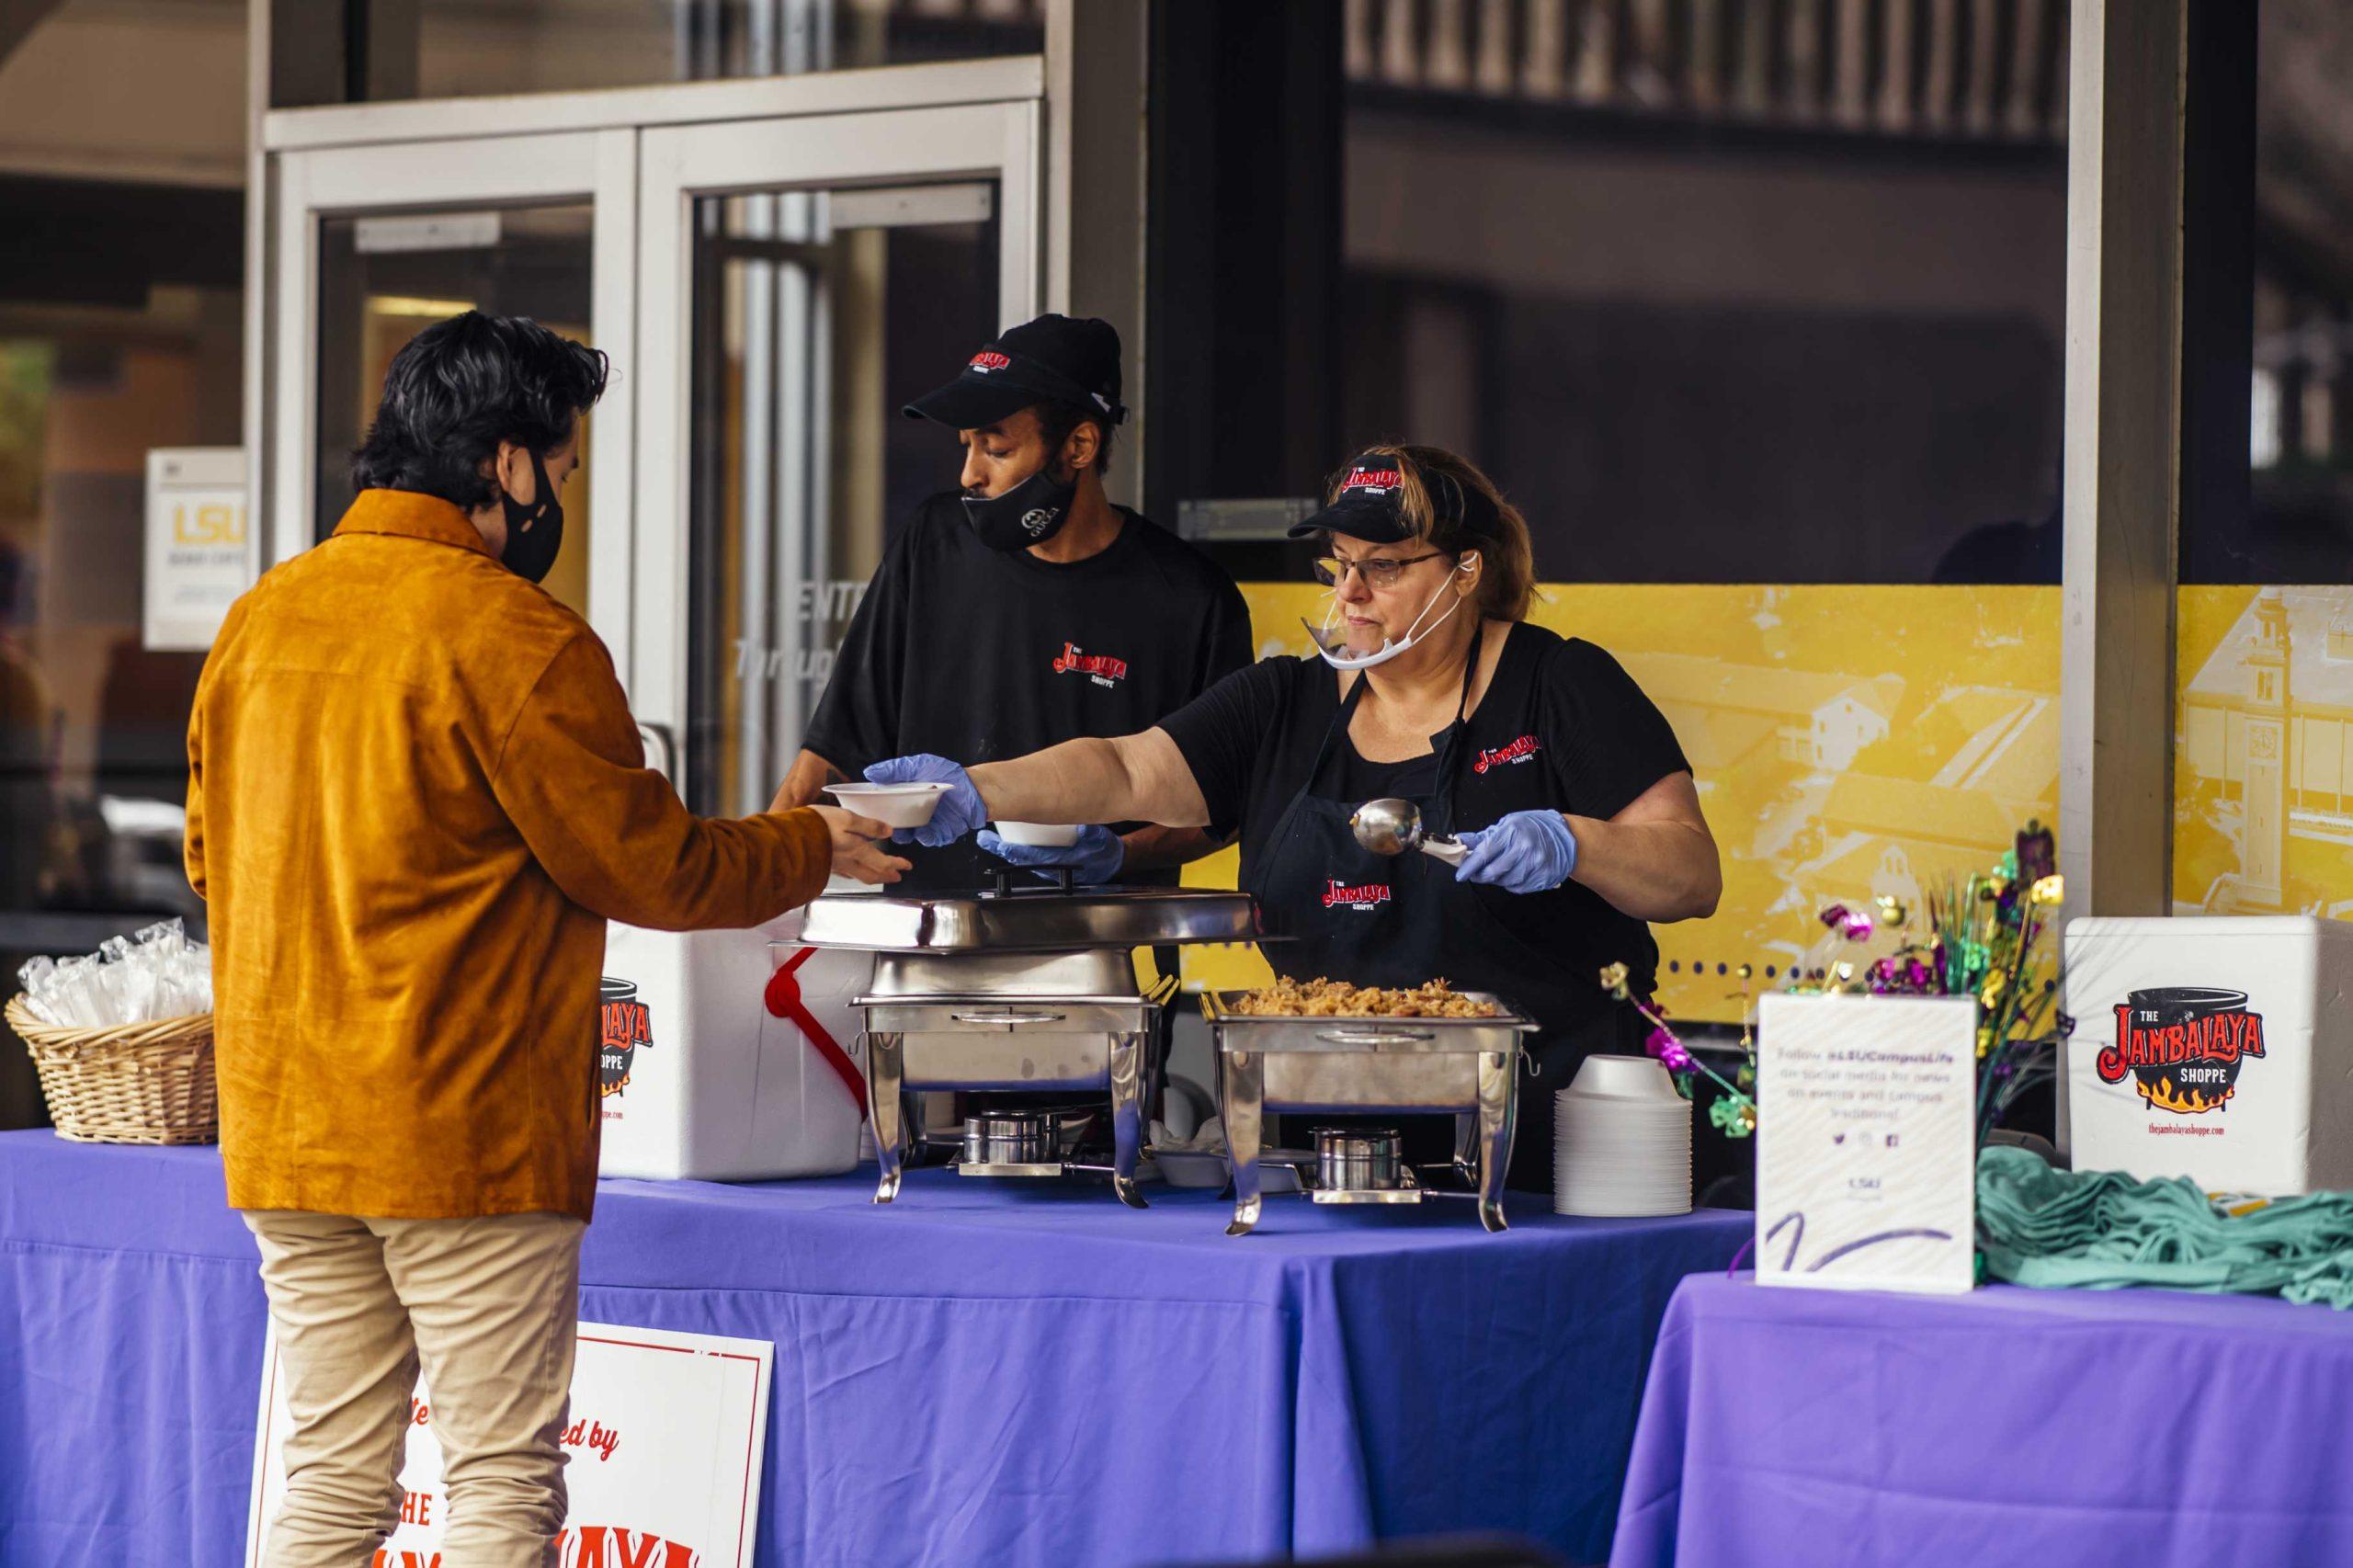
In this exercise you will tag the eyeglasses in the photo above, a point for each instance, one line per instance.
(1380, 572)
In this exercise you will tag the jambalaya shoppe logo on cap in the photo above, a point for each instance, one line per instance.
(2184, 1044)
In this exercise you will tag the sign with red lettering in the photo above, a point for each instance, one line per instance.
(665, 1442)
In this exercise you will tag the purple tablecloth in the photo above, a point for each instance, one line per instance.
(2141, 1429)
(980, 1373)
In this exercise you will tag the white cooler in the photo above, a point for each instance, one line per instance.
(2220, 1049)
(701, 1078)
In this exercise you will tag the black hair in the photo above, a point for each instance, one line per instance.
(462, 386)
(12, 574)
(1057, 420)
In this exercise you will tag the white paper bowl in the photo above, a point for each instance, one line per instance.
(892, 805)
(1624, 1078)
(1038, 835)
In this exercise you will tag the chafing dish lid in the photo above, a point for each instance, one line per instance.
(1036, 921)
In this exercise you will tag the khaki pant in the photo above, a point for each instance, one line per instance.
(487, 1306)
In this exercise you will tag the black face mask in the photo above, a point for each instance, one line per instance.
(534, 532)
(1030, 512)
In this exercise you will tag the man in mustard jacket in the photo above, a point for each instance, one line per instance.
(415, 796)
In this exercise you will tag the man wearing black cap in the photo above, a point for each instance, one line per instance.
(1028, 610)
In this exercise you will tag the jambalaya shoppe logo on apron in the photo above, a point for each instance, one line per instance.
(1339, 895)
(2184, 1044)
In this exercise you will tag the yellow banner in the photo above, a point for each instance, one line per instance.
(2263, 752)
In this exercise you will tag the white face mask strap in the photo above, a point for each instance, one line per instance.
(1388, 649)
(1414, 632)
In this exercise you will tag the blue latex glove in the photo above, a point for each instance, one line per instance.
(1525, 852)
(960, 810)
(1095, 858)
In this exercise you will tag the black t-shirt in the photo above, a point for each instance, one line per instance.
(980, 654)
(1585, 741)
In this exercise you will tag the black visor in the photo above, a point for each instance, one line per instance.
(1370, 505)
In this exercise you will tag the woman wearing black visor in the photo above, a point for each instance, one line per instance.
(1539, 752)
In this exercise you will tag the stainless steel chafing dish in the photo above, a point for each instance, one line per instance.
(1469, 1067)
(1026, 988)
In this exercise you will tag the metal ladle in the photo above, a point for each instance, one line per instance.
(1394, 826)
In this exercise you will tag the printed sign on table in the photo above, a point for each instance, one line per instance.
(1866, 1141)
(665, 1439)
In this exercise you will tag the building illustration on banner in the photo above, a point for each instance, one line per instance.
(2263, 793)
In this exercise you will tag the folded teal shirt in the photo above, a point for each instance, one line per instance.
(2105, 1231)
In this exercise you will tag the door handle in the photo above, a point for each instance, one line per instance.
(661, 754)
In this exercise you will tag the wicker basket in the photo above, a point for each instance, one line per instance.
(135, 1084)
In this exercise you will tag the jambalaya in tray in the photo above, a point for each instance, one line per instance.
(1321, 998)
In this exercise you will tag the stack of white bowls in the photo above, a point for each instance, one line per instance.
(1622, 1141)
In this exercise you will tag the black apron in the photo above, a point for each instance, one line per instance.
(1399, 920)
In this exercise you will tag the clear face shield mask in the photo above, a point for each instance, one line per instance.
(1334, 645)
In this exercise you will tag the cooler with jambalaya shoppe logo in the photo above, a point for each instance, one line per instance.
(2216, 1049)
(727, 1055)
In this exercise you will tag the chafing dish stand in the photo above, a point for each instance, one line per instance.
(1026, 988)
(1469, 1067)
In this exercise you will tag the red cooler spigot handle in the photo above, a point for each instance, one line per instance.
(783, 999)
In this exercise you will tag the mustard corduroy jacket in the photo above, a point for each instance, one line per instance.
(416, 795)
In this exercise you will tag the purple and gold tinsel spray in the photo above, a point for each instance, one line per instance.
(1984, 940)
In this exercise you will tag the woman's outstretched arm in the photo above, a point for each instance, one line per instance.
(1139, 778)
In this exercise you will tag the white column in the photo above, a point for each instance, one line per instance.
(2124, 168)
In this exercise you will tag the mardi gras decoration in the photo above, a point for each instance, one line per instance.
(1735, 1112)
(1984, 940)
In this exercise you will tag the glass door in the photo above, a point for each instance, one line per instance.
(377, 243)
(801, 280)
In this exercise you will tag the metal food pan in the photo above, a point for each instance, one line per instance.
(965, 1058)
(1088, 974)
(1397, 1081)
(1033, 921)
(1366, 1034)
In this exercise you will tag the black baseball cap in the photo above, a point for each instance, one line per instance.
(1370, 505)
(1051, 360)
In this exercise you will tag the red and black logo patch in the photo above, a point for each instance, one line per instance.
(1100, 668)
(1519, 750)
(1339, 895)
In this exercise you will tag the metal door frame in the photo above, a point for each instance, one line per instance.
(828, 127)
(677, 166)
(597, 166)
